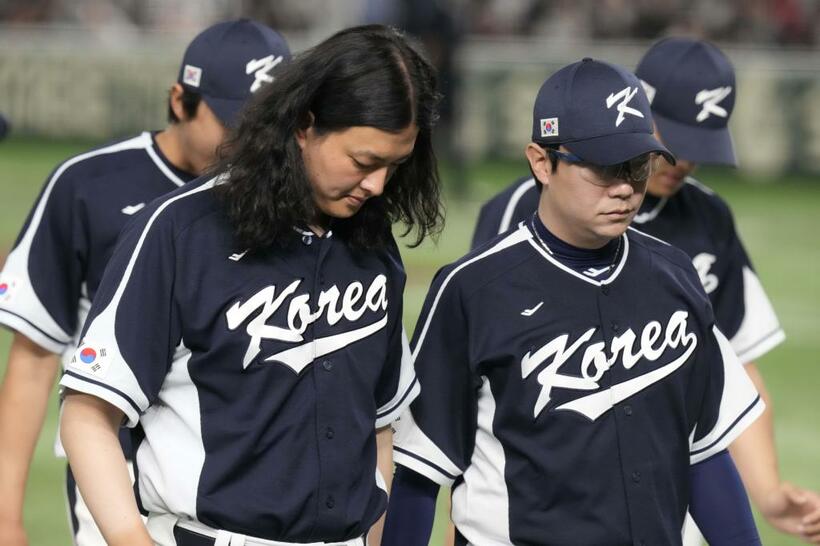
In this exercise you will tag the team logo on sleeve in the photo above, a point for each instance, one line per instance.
(349, 305)
(653, 343)
(91, 358)
(703, 263)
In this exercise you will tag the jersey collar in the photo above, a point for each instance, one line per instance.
(619, 265)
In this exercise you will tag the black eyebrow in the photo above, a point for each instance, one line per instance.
(378, 159)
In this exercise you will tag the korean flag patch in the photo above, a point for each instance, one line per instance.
(549, 127)
(91, 359)
(191, 75)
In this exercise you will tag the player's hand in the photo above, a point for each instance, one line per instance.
(12, 534)
(794, 511)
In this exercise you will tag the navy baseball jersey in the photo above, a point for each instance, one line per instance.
(255, 380)
(55, 268)
(565, 408)
(700, 223)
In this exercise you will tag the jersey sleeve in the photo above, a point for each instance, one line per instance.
(41, 281)
(435, 438)
(742, 308)
(398, 385)
(505, 210)
(133, 328)
(489, 218)
(730, 402)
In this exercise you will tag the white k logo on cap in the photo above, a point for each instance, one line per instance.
(261, 70)
(624, 95)
(710, 98)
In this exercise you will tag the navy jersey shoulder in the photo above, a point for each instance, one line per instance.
(493, 259)
(66, 241)
(713, 210)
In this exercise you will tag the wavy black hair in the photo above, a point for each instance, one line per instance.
(363, 76)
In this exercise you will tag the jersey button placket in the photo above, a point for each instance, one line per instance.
(321, 368)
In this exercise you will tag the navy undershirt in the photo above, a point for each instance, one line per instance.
(578, 259)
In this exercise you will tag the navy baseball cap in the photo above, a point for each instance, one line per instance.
(598, 111)
(691, 89)
(229, 61)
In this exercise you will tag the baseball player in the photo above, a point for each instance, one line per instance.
(571, 372)
(56, 266)
(248, 328)
(691, 87)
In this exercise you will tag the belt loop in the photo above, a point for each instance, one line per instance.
(237, 540)
(223, 538)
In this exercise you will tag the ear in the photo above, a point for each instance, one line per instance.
(303, 132)
(175, 101)
(539, 162)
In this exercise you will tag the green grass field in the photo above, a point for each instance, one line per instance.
(778, 220)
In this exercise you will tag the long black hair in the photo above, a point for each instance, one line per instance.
(363, 76)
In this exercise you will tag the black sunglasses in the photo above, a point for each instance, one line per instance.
(635, 170)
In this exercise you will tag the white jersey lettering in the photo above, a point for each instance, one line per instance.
(653, 343)
(354, 303)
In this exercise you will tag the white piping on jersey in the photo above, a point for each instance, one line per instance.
(518, 236)
(506, 218)
(130, 267)
(406, 391)
(540, 249)
(169, 174)
(740, 405)
(699, 185)
(481, 502)
(415, 450)
(648, 216)
(142, 141)
(648, 236)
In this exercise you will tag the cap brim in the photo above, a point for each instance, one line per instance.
(617, 148)
(697, 144)
(227, 110)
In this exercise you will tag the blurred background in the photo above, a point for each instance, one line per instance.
(76, 73)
